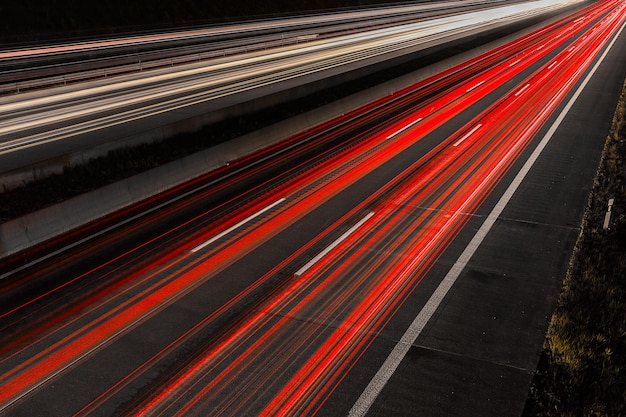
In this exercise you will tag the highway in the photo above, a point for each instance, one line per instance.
(326, 274)
(367, 17)
(48, 123)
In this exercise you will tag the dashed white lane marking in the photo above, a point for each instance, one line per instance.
(514, 62)
(467, 135)
(236, 226)
(521, 90)
(475, 86)
(383, 375)
(333, 245)
(397, 132)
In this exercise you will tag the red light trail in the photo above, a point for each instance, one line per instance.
(282, 357)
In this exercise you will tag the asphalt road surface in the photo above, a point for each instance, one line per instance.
(402, 259)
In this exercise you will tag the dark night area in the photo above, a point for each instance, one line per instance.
(534, 320)
(40, 21)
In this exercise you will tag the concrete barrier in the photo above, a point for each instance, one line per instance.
(37, 227)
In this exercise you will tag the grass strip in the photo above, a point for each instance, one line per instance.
(582, 369)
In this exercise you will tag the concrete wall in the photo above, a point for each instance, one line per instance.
(37, 227)
(22, 167)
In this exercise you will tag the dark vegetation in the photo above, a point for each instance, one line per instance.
(123, 163)
(582, 370)
(39, 21)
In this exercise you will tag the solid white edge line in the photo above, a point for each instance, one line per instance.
(467, 135)
(333, 245)
(236, 226)
(374, 388)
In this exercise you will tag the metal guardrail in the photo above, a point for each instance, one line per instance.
(139, 66)
(52, 74)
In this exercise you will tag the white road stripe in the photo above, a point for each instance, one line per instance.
(521, 90)
(333, 245)
(371, 392)
(144, 213)
(553, 64)
(238, 225)
(404, 128)
(467, 135)
(475, 86)
(514, 62)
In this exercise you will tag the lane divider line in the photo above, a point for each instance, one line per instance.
(475, 86)
(514, 62)
(236, 226)
(333, 245)
(378, 382)
(397, 132)
(521, 90)
(146, 212)
(467, 135)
